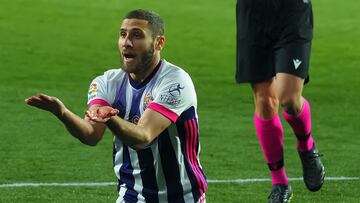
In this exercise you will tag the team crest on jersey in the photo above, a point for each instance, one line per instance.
(148, 99)
(92, 89)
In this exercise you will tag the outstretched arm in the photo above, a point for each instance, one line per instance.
(88, 132)
(138, 136)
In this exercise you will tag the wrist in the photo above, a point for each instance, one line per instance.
(61, 113)
(110, 121)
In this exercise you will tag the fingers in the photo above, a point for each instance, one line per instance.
(108, 112)
(44, 97)
(90, 114)
(101, 114)
(33, 101)
(39, 97)
(115, 112)
(29, 100)
(86, 112)
(93, 117)
(45, 102)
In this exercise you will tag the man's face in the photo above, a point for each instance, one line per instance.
(136, 45)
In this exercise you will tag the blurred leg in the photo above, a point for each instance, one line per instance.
(296, 109)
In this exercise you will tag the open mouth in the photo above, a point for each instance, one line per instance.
(129, 56)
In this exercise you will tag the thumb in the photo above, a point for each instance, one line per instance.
(115, 112)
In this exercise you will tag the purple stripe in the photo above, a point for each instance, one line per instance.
(120, 99)
(148, 175)
(170, 167)
(134, 114)
(127, 177)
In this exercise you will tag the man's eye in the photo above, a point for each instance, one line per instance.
(137, 35)
(123, 34)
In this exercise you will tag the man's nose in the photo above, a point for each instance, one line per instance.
(126, 42)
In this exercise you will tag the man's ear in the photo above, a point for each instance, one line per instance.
(160, 42)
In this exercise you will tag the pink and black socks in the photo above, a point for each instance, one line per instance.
(270, 134)
(301, 125)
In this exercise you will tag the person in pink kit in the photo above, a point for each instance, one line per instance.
(273, 55)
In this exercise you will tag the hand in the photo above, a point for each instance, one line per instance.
(101, 114)
(47, 103)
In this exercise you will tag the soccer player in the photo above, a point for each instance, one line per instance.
(273, 53)
(150, 106)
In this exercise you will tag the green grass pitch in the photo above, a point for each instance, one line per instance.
(59, 46)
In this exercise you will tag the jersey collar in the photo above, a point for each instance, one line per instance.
(136, 85)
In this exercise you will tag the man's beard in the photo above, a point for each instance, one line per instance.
(146, 59)
(144, 63)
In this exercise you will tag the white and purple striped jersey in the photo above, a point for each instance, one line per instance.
(167, 170)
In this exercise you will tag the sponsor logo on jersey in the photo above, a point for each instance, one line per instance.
(175, 89)
(93, 88)
(169, 99)
(172, 97)
(91, 97)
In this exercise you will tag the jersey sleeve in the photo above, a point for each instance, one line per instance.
(99, 92)
(174, 95)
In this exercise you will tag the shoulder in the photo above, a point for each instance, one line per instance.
(174, 80)
(104, 87)
(113, 74)
(170, 71)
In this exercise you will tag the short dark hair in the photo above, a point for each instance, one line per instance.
(154, 19)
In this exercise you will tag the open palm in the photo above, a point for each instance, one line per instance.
(47, 103)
